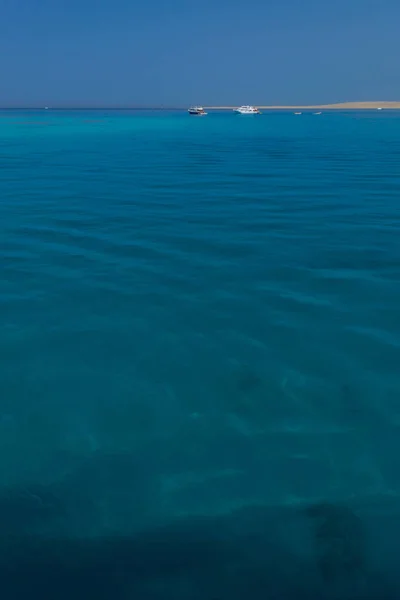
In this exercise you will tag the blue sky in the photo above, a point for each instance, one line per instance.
(125, 52)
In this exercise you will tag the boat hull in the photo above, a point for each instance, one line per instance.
(196, 111)
(244, 111)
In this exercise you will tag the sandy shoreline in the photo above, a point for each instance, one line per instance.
(338, 106)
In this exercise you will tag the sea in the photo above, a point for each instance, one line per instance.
(199, 355)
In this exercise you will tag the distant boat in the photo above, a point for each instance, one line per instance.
(247, 110)
(46, 108)
(197, 110)
(379, 108)
(298, 113)
(318, 113)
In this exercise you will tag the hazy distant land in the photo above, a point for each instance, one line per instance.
(338, 106)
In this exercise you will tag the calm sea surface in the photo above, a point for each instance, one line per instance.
(198, 315)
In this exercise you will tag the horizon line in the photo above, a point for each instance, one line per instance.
(392, 104)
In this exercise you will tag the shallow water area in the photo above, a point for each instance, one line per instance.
(199, 316)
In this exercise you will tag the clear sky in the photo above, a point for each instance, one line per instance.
(159, 52)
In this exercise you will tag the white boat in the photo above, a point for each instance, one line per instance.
(247, 110)
(298, 113)
(197, 110)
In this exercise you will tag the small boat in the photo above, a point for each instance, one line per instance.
(379, 108)
(297, 113)
(247, 110)
(197, 110)
(318, 113)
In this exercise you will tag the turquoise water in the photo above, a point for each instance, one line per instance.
(200, 316)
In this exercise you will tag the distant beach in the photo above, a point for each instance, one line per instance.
(338, 106)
